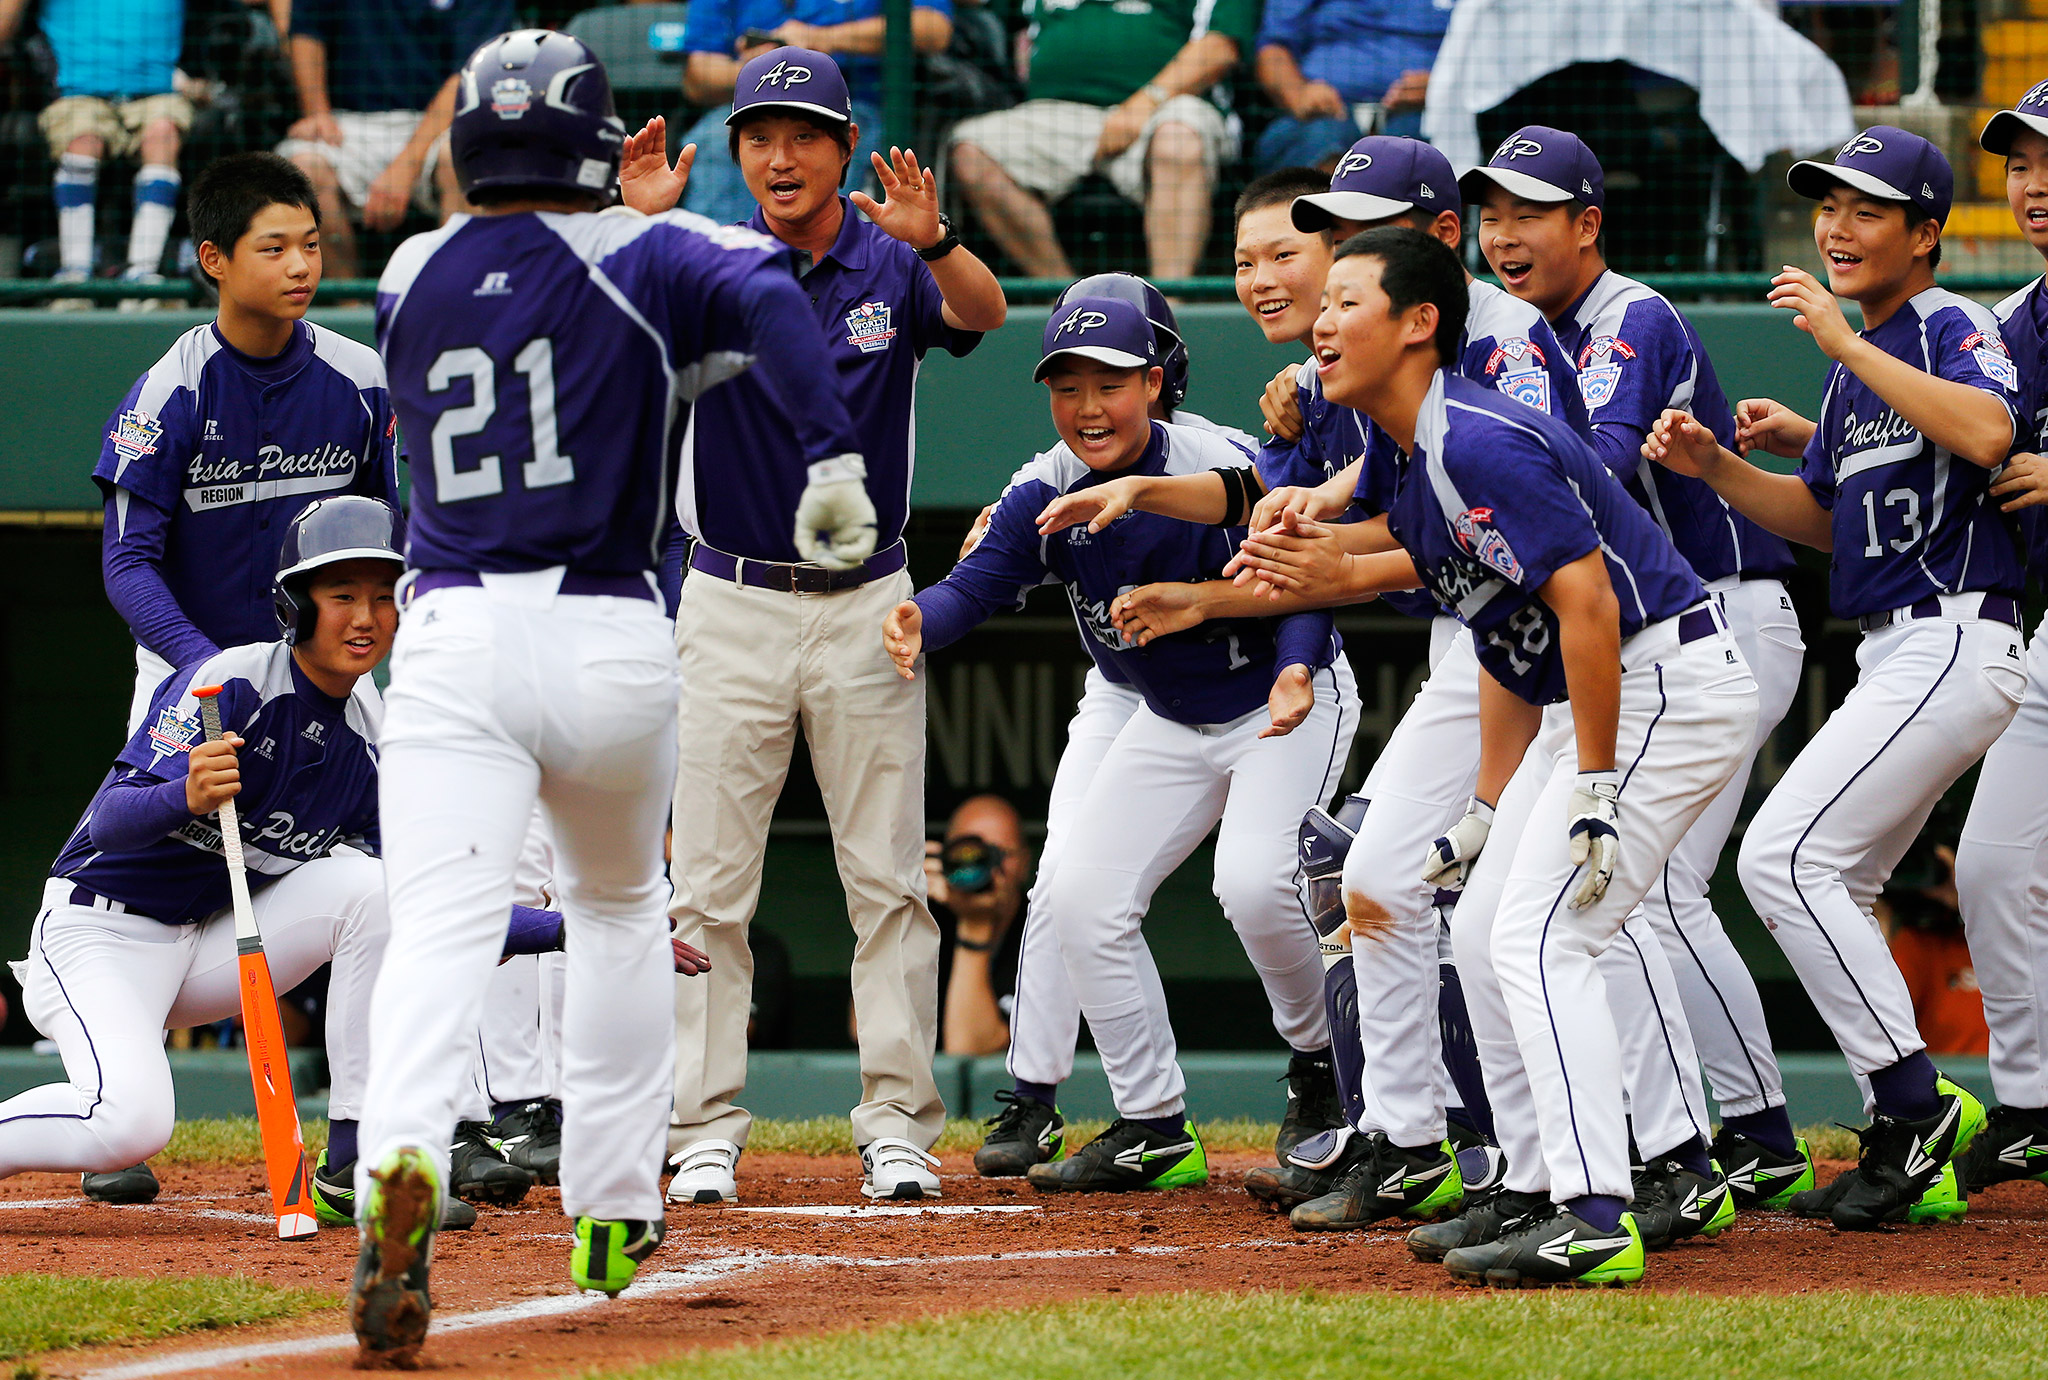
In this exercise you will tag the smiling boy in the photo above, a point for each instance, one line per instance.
(1894, 481)
(1246, 722)
(227, 437)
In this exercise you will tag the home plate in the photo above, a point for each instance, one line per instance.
(854, 1210)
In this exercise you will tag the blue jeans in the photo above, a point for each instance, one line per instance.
(1292, 143)
(718, 191)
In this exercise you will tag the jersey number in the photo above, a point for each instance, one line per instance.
(1907, 499)
(1532, 635)
(548, 465)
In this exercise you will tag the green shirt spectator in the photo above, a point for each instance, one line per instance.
(1069, 40)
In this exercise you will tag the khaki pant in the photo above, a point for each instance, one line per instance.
(119, 127)
(755, 665)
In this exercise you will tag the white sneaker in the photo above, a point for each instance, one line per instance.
(898, 1171)
(704, 1173)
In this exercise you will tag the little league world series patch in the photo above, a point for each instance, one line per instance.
(1486, 542)
(1516, 366)
(134, 435)
(868, 328)
(172, 733)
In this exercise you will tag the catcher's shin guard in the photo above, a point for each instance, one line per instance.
(1461, 1050)
(1325, 841)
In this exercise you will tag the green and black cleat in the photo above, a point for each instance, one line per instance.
(1024, 1133)
(1759, 1176)
(2013, 1145)
(388, 1303)
(1389, 1181)
(1558, 1249)
(607, 1254)
(1124, 1157)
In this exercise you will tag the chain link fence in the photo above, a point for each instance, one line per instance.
(1071, 136)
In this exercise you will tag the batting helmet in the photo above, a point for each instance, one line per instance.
(1325, 841)
(1173, 352)
(347, 527)
(533, 109)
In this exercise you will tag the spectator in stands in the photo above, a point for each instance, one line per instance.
(1339, 69)
(1114, 87)
(720, 36)
(116, 96)
(376, 80)
(975, 880)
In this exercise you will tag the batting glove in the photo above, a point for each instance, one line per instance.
(1451, 857)
(835, 518)
(1596, 835)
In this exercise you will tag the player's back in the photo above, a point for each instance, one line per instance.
(537, 362)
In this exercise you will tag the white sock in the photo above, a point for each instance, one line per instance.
(156, 204)
(77, 178)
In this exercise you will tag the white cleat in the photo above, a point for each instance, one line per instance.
(704, 1173)
(898, 1171)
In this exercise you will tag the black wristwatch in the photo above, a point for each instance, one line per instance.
(945, 246)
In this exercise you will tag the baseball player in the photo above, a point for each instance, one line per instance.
(539, 351)
(1577, 602)
(1893, 480)
(1238, 725)
(775, 632)
(227, 437)
(1542, 199)
(2001, 866)
(1046, 1015)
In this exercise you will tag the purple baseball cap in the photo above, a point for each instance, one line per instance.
(791, 79)
(1381, 175)
(1108, 329)
(2030, 113)
(1886, 162)
(1538, 163)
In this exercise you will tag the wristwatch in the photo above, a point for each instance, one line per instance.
(1159, 94)
(946, 245)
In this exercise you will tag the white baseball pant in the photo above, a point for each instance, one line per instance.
(1045, 1019)
(1688, 712)
(1931, 695)
(105, 984)
(1159, 790)
(1722, 1005)
(501, 696)
(2002, 882)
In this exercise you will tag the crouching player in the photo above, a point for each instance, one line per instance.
(1246, 722)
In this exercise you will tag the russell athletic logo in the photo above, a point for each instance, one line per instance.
(784, 74)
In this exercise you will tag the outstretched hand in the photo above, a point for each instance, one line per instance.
(1292, 696)
(1681, 443)
(648, 183)
(909, 208)
(903, 636)
(1098, 506)
(1155, 610)
(1297, 553)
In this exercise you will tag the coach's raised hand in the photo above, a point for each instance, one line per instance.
(903, 636)
(213, 775)
(648, 183)
(909, 208)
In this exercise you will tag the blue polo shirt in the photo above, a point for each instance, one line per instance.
(715, 26)
(119, 50)
(742, 471)
(396, 54)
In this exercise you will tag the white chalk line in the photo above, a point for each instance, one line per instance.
(167, 1205)
(863, 1211)
(697, 1275)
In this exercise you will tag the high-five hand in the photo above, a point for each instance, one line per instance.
(909, 208)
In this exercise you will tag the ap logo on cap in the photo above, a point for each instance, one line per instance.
(1518, 148)
(1862, 143)
(785, 75)
(1082, 320)
(1351, 163)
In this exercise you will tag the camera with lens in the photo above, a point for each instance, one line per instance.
(970, 863)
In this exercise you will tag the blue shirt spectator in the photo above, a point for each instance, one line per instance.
(114, 49)
(1320, 60)
(396, 54)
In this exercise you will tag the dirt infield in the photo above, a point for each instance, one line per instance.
(803, 1254)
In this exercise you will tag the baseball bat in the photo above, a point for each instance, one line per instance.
(270, 1072)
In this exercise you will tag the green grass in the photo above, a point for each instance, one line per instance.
(51, 1312)
(1310, 1336)
(229, 1140)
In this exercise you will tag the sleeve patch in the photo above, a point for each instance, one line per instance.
(1517, 368)
(1600, 369)
(1486, 542)
(135, 435)
(1992, 357)
(171, 733)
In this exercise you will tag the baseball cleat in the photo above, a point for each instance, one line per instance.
(704, 1173)
(1313, 1105)
(478, 1171)
(1486, 1218)
(388, 1305)
(135, 1184)
(1387, 1181)
(1127, 1155)
(1759, 1176)
(1024, 1133)
(607, 1254)
(2012, 1145)
(1560, 1248)
(530, 1138)
(896, 1171)
(1899, 1163)
(1672, 1202)
(334, 1199)
(1310, 1170)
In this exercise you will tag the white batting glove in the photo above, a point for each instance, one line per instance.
(1451, 857)
(1596, 833)
(835, 519)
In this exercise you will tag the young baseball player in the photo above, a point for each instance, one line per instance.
(2001, 865)
(1893, 480)
(1577, 602)
(542, 349)
(1542, 200)
(227, 437)
(1239, 725)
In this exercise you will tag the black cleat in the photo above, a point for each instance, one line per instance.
(1485, 1219)
(1557, 1248)
(1310, 1170)
(1024, 1133)
(388, 1303)
(530, 1138)
(1387, 1181)
(135, 1184)
(1313, 1105)
(2012, 1145)
(1127, 1156)
(1672, 1202)
(478, 1171)
(1899, 1163)
(1759, 1175)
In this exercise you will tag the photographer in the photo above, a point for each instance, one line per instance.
(976, 879)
